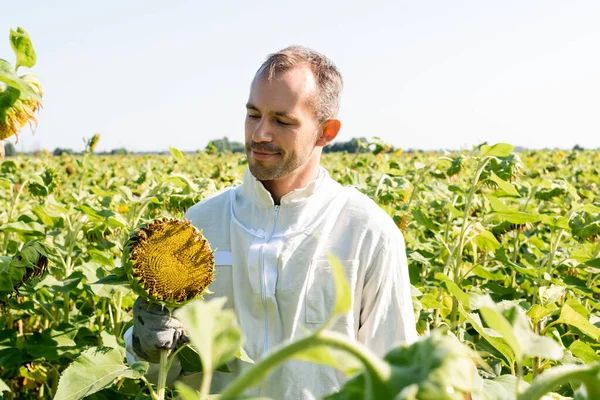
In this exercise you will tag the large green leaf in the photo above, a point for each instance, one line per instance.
(95, 369)
(489, 335)
(584, 352)
(497, 150)
(435, 367)
(506, 187)
(503, 387)
(23, 48)
(8, 76)
(177, 154)
(53, 343)
(571, 317)
(518, 217)
(213, 331)
(486, 240)
(185, 392)
(554, 377)
(511, 322)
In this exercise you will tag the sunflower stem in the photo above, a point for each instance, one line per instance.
(162, 374)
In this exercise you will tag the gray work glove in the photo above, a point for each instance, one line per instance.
(154, 329)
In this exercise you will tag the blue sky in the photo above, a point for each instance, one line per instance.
(147, 75)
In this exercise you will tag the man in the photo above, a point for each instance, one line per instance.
(274, 234)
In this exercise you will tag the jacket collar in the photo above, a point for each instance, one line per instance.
(254, 190)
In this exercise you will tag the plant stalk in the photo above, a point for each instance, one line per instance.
(375, 367)
(162, 374)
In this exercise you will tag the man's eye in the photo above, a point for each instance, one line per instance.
(282, 122)
(253, 116)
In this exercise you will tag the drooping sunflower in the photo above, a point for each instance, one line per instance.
(168, 261)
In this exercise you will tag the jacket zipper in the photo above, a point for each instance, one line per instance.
(264, 286)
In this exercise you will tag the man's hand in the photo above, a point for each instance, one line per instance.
(154, 329)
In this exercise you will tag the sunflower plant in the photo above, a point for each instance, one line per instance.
(20, 95)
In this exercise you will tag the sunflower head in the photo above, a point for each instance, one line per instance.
(168, 261)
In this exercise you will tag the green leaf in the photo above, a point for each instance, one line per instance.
(584, 352)
(186, 392)
(189, 360)
(511, 322)
(497, 322)
(571, 317)
(95, 369)
(497, 150)
(423, 219)
(537, 313)
(551, 294)
(430, 301)
(23, 48)
(486, 240)
(435, 367)
(503, 387)
(506, 187)
(30, 228)
(492, 337)
(53, 344)
(461, 296)
(517, 217)
(177, 154)
(8, 76)
(213, 331)
(557, 376)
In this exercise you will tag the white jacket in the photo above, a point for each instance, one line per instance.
(271, 264)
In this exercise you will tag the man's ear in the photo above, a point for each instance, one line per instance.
(329, 130)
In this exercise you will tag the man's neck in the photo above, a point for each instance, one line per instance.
(280, 187)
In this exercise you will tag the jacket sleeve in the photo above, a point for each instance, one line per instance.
(387, 316)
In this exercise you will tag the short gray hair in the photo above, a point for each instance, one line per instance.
(329, 80)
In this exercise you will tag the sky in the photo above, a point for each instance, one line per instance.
(441, 74)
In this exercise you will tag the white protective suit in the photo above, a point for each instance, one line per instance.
(271, 264)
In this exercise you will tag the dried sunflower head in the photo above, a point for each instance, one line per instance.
(168, 261)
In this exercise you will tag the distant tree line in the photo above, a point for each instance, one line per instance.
(354, 145)
(120, 151)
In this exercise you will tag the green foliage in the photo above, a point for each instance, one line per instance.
(95, 369)
(518, 230)
(23, 48)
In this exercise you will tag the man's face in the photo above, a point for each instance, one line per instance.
(281, 128)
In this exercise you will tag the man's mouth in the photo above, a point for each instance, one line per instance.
(262, 155)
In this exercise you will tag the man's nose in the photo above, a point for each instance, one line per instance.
(262, 131)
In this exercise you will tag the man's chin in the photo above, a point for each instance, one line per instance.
(265, 174)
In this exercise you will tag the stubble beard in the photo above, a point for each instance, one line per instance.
(287, 163)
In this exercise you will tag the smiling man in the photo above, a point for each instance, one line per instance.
(275, 231)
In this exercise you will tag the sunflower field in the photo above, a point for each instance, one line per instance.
(503, 253)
